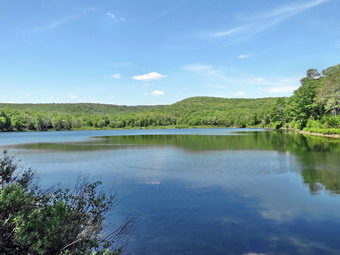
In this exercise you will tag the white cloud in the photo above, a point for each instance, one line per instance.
(242, 56)
(72, 96)
(149, 76)
(157, 93)
(114, 17)
(116, 76)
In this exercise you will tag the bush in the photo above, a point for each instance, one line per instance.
(328, 131)
(55, 221)
(314, 124)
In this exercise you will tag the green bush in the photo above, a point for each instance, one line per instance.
(56, 221)
(328, 131)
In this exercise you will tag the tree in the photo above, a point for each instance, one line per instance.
(5, 121)
(17, 122)
(313, 74)
(55, 221)
(302, 104)
(329, 92)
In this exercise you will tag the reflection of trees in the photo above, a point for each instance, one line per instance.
(319, 179)
(314, 153)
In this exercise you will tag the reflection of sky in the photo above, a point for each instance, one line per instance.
(254, 199)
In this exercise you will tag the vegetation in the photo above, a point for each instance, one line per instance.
(54, 221)
(197, 111)
(315, 105)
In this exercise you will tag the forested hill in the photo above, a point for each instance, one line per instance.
(195, 111)
(192, 104)
(314, 106)
(222, 104)
(79, 108)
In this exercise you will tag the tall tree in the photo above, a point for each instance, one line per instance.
(329, 92)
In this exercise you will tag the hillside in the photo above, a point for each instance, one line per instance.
(79, 108)
(221, 104)
(195, 111)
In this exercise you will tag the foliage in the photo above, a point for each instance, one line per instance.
(329, 91)
(197, 111)
(315, 104)
(327, 131)
(54, 221)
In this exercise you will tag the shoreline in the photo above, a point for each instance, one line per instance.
(319, 134)
(179, 127)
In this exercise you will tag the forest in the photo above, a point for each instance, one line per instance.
(314, 107)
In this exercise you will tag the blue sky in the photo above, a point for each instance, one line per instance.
(133, 52)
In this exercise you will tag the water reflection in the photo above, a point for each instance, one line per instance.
(313, 152)
(273, 140)
(319, 179)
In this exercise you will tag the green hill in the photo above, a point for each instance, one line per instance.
(195, 111)
(79, 108)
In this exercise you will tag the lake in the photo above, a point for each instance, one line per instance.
(203, 191)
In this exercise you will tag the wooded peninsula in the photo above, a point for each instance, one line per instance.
(314, 107)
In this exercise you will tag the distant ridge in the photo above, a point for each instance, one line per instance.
(97, 108)
(78, 108)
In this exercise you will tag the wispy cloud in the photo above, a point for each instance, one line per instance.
(63, 21)
(239, 94)
(231, 80)
(289, 9)
(115, 18)
(254, 24)
(73, 96)
(228, 32)
(281, 89)
(116, 76)
(208, 72)
(149, 76)
(242, 56)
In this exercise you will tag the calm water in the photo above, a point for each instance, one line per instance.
(204, 191)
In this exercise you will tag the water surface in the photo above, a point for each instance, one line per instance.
(204, 191)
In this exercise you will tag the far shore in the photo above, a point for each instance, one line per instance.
(183, 127)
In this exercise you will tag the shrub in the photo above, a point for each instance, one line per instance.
(54, 221)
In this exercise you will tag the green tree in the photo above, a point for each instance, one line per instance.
(302, 104)
(5, 121)
(18, 122)
(329, 92)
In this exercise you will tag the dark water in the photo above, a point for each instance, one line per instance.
(204, 191)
